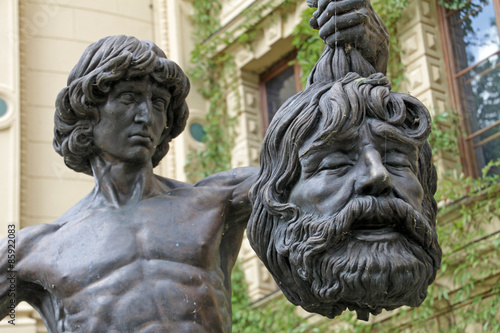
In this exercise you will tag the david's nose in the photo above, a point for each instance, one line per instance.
(144, 113)
(373, 177)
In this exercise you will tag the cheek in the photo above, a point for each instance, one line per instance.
(322, 194)
(160, 122)
(409, 187)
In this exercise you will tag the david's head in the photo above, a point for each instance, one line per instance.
(344, 214)
(115, 71)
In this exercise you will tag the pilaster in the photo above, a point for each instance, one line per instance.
(422, 55)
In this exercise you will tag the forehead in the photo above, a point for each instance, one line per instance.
(142, 84)
(375, 133)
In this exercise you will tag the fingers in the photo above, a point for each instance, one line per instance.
(345, 21)
(345, 36)
(322, 4)
(313, 23)
(312, 3)
(339, 8)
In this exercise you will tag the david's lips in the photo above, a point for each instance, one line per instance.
(141, 136)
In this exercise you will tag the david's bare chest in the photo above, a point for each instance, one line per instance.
(144, 239)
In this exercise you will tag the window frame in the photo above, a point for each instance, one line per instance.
(273, 71)
(466, 145)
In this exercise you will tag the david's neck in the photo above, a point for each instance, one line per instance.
(120, 183)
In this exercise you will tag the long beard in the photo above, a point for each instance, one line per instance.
(342, 271)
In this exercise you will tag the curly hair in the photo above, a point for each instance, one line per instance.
(104, 63)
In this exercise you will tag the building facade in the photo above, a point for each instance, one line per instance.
(450, 59)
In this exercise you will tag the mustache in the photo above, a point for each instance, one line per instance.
(324, 232)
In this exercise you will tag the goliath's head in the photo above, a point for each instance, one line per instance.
(344, 214)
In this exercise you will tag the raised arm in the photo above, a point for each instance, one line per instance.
(352, 24)
(236, 183)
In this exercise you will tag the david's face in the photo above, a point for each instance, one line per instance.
(132, 120)
(370, 165)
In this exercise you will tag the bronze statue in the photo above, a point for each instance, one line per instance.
(142, 253)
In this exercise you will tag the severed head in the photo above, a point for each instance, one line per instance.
(343, 209)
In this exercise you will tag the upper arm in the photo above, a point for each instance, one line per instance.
(14, 251)
(237, 183)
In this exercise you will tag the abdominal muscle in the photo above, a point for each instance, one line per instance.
(149, 296)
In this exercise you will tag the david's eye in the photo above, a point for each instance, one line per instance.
(159, 104)
(127, 98)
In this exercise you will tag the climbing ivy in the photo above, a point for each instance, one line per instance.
(211, 73)
(277, 315)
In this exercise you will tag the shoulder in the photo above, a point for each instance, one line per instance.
(35, 232)
(172, 183)
(25, 239)
(230, 178)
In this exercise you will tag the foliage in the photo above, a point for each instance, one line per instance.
(216, 74)
(460, 4)
(212, 73)
(278, 315)
(445, 131)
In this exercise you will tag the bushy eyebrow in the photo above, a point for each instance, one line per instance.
(392, 134)
(327, 148)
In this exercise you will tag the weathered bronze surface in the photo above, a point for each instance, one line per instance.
(343, 212)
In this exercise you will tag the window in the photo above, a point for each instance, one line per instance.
(279, 83)
(3, 107)
(472, 50)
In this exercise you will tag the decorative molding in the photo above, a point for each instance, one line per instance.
(234, 28)
(23, 104)
(162, 26)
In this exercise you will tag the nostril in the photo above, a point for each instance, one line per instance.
(368, 189)
(374, 186)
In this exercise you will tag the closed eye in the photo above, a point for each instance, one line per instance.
(127, 98)
(160, 104)
(338, 167)
(397, 161)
